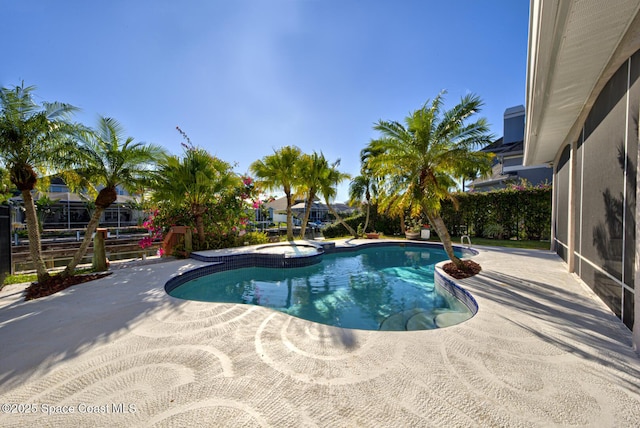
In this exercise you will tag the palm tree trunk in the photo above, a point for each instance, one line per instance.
(307, 213)
(366, 220)
(33, 231)
(289, 219)
(200, 229)
(340, 220)
(88, 236)
(443, 234)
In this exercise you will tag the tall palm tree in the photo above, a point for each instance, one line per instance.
(108, 159)
(195, 180)
(311, 169)
(363, 185)
(329, 182)
(280, 171)
(33, 139)
(418, 163)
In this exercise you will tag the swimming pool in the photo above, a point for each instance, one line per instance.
(376, 288)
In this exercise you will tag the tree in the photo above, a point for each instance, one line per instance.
(33, 139)
(328, 189)
(5, 185)
(311, 169)
(418, 163)
(280, 171)
(108, 159)
(195, 180)
(363, 185)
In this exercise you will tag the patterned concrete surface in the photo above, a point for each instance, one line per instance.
(542, 351)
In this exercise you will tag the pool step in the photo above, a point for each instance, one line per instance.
(412, 319)
(422, 319)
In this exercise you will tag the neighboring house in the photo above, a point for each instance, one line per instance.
(69, 210)
(318, 212)
(583, 103)
(277, 211)
(507, 167)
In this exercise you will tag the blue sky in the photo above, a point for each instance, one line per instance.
(245, 77)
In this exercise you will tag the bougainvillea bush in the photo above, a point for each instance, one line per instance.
(227, 218)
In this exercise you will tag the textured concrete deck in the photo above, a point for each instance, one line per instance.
(542, 351)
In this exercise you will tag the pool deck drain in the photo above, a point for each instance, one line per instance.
(541, 351)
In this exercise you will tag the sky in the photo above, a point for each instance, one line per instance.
(245, 77)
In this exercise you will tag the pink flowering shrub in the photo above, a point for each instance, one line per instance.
(155, 232)
(227, 217)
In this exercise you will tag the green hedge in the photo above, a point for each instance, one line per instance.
(518, 212)
(377, 222)
(522, 213)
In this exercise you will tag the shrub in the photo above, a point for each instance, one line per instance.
(522, 212)
(252, 238)
(336, 229)
(493, 231)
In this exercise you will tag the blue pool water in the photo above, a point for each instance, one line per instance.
(388, 288)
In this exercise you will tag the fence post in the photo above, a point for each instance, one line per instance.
(99, 250)
(5, 242)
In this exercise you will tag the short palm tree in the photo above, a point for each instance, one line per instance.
(33, 140)
(329, 182)
(280, 171)
(107, 159)
(419, 161)
(195, 180)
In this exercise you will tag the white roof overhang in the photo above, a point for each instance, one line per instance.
(575, 46)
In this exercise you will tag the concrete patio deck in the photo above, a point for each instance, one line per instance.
(542, 351)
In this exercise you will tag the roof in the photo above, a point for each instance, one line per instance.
(277, 204)
(498, 148)
(575, 46)
(317, 206)
(496, 176)
(73, 197)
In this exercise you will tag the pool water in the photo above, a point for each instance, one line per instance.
(388, 288)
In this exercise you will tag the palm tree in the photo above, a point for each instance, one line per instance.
(363, 185)
(108, 159)
(328, 189)
(33, 138)
(280, 171)
(195, 180)
(311, 168)
(418, 163)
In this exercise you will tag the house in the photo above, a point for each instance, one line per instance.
(507, 167)
(582, 108)
(277, 211)
(62, 209)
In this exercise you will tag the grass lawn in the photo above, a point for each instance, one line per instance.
(532, 245)
(19, 278)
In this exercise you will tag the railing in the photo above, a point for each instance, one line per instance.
(59, 253)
